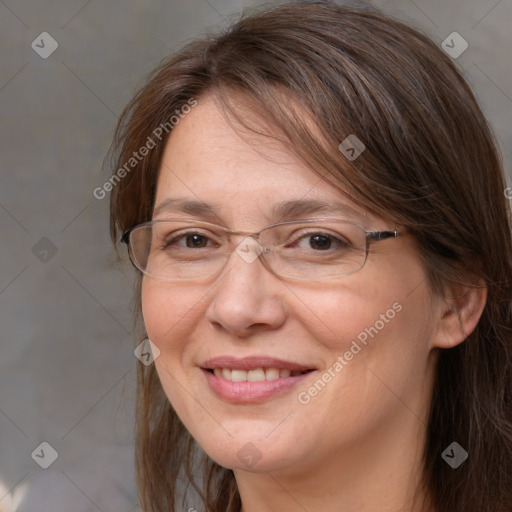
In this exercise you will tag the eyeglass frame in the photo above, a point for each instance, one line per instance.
(370, 236)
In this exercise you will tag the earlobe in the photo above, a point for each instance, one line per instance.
(459, 314)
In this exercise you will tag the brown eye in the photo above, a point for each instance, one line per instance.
(196, 240)
(187, 240)
(320, 242)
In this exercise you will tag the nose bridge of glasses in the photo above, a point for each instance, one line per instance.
(245, 239)
(248, 248)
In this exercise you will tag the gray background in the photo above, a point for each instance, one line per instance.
(67, 369)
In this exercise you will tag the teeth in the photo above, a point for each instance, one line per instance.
(238, 375)
(256, 375)
(272, 374)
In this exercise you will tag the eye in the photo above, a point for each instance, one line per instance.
(189, 240)
(320, 241)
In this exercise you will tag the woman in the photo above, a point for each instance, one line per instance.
(316, 207)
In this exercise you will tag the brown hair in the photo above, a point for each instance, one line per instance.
(430, 164)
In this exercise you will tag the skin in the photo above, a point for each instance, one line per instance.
(357, 445)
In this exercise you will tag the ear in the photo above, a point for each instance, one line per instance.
(459, 312)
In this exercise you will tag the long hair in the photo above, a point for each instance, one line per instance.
(431, 164)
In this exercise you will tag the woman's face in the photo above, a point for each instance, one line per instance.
(365, 338)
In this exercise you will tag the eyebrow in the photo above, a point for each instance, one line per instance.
(284, 210)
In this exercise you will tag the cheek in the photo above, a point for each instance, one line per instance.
(381, 328)
(170, 312)
(170, 317)
(337, 316)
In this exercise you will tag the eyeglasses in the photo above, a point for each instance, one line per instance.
(190, 250)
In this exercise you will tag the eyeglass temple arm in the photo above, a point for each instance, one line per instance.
(377, 236)
(125, 237)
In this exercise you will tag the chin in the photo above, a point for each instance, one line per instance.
(248, 450)
(250, 458)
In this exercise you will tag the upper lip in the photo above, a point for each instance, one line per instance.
(251, 363)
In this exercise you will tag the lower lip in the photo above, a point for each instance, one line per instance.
(251, 392)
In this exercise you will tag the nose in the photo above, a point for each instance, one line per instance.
(247, 297)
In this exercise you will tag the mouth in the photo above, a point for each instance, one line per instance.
(253, 379)
(256, 375)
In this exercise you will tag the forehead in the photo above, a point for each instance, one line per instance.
(211, 164)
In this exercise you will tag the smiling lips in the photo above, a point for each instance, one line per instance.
(252, 379)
